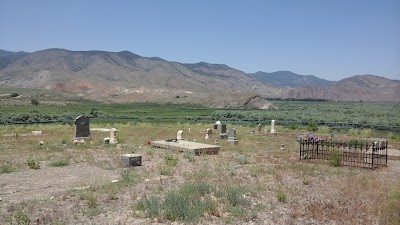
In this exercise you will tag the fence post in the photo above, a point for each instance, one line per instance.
(373, 150)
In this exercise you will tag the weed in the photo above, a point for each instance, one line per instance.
(281, 196)
(6, 168)
(59, 163)
(190, 156)
(232, 170)
(334, 158)
(91, 200)
(129, 177)
(234, 196)
(33, 164)
(241, 159)
(177, 207)
(392, 207)
(166, 170)
(187, 203)
(151, 206)
(20, 218)
(171, 160)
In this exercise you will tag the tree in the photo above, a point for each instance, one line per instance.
(34, 102)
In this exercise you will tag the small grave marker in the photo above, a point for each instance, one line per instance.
(232, 136)
(131, 159)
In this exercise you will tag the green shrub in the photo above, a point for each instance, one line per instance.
(151, 206)
(312, 126)
(234, 195)
(189, 155)
(241, 159)
(129, 177)
(281, 196)
(6, 168)
(34, 102)
(33, 164)
(19, 218)
(334, 158)
(166, 170)
(188, 203)
(177, 207)
(60, 163)
(171, 160)
(91, 200)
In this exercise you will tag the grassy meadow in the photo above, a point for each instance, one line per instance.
(43, 177)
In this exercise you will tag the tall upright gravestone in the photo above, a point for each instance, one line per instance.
(273, 131)
(82, 127)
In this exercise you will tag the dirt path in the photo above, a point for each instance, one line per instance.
(51, 181)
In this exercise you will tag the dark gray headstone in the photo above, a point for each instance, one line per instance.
(223, 128)
(82, 126)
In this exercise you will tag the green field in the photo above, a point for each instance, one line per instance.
(294, 114)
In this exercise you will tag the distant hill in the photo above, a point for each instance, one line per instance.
(125, 76)
(290, 79)
(7, 57)
(355, 88)
(104, 75)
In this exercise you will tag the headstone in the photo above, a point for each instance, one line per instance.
(282, 147)
(208, 134)
(113, 138)
(232, 136)
(273, 131)
(259, 126)
(82, 127)
(179, 135)
(382, 144)
(131, 159)
(222, 133)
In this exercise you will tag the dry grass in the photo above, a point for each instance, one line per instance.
(253, 181)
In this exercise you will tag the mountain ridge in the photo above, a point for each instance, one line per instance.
(127, 76)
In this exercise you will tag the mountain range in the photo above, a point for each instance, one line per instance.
(125, 76)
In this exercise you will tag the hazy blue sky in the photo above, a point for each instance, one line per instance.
(330, 39)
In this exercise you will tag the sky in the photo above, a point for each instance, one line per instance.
(329, 39)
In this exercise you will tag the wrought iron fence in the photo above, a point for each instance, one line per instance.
(346, 153)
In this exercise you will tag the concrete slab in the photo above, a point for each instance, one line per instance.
(181, 145)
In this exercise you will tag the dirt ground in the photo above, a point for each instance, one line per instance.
(87, 191)
(51, 182)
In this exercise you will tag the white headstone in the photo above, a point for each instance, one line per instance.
(209, 134)
(179, 135)
(273, 131)
(113, 140)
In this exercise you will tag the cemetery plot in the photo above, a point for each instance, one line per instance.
(356, 153)
(181, 145)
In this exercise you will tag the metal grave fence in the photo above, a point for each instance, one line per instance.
(346, 153)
